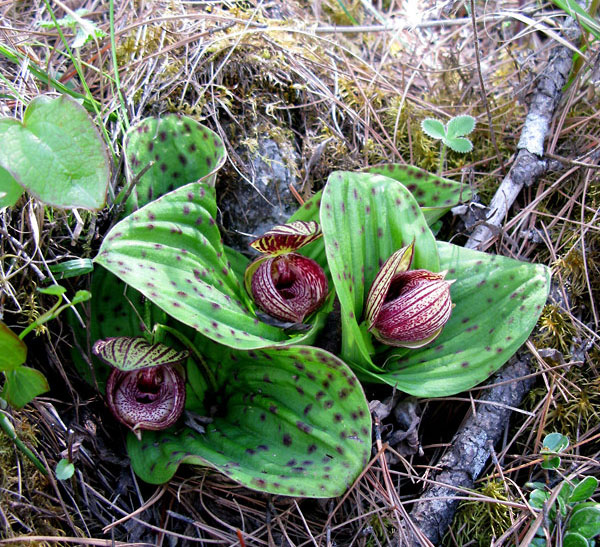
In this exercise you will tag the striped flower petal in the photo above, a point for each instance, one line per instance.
(287, 237)
(289, 287)
(134, 353)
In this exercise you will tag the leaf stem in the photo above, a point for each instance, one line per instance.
(12, 435)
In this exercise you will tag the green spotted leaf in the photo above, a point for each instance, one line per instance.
(181, 151)
(171, 251)
(497, 303)
(365, 218)
(435, 195)
(291, 421)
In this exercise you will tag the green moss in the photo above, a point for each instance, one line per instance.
(480, 522)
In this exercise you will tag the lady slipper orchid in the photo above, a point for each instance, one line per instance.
(407, 308)
(285, 284)
(145, 390)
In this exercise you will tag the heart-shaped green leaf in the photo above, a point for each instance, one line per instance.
(56, 154)
(498, 302)
(365, 218)
(171, 251)
(182, 151)
(10, 189)
(291, 421)
(13, 350)
(22, 385)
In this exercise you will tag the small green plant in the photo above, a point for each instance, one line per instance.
(451, 134)
(572, 514)
(84, 29)
(22, 384)
(64, 469)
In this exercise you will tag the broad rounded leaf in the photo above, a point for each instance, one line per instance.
(365, 218)
(435, 195)
(291, 421)
(56, 153)
(584, 490)
(555, 442)
(434, 128)
(171, 251)
(459, 126)
(498, 301)
(13, 350)
(10, 189)
(64, 470)
(586, 520)
(573, 539)
(22, 385)
(182, 150)
(127, 353)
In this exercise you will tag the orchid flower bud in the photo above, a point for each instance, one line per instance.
(285, 284)
(407, 308)
(145, 390)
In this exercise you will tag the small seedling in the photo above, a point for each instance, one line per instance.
(85, 30)
(582, 517)
(452, 134)
(64, 469)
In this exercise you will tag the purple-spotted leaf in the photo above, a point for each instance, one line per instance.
(435, 195)
(171, 251)
(287, 238)
(366, 218)
(497, 303)
(291, 421)
(128, 353)
(181, 151)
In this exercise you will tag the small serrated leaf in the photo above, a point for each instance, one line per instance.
(460, 144)
(459, 126)
(434, 128)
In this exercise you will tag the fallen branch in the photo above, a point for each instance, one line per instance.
(471, 447)
(529, 164)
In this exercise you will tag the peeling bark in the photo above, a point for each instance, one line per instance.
(471, 447)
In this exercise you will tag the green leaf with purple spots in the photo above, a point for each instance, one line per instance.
(171, 251)
(365, 218)
(291, 421)
(180, 150)
(435, 195)
(497, 303)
